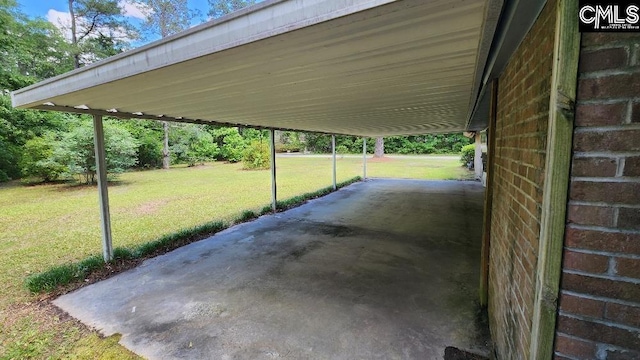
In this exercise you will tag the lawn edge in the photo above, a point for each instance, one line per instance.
(64, 278)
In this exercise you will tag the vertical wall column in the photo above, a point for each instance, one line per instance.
(488, 196)
(101, 171)
(333, 153)
(274, 188)
(566, 53)
(364, 158)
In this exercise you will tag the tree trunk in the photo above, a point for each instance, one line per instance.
(379, 152)
(74, 38)
(166, 160)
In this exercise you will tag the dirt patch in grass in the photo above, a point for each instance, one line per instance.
(150, 207)
(381, 159)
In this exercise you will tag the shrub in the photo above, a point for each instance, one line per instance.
(342, 149)
(467, 154)
(231, 143)
(149, 151)
(256, 156)
(192, 144)
(38, 159)
(77, 153)
(289, 142)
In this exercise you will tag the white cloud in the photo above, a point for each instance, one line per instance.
(134, 9)
(62, 20)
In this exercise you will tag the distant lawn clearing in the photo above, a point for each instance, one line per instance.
(45, 225)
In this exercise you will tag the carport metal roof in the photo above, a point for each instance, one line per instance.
(360, 67)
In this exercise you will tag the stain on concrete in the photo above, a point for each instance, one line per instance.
(385, 269)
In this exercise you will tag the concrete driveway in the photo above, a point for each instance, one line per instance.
(384, 269)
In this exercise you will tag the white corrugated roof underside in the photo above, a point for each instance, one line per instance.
(371, 68)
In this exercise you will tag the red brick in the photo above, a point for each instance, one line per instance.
(615, 140)
(623, 314)
(603, 59)
(595, 264)
(590, 215)
(609, 87)
(594, 167)
(617, 354)
(614, 289)
(599, 332)
(582, 306)
(635, 113)
(628, 268)
(600, 114)
(575, 348)
(632, 166)
(610, 192)
(523, 109)
(602, 38)
(603, 241)
(629, 219)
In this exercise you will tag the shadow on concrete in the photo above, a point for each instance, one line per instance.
(382, 269)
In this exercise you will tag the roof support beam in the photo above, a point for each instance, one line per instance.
(101, 172)
(274, 187)
(333, 153)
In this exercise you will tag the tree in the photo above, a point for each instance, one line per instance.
(379, 151)
(192, 144)
(165, 18)
(38, 159)
(76, 150)
(30, 50)
(94, 24)
(257, 156)
(219, 8)
(16, 128)
(232, 145)
(148, 134)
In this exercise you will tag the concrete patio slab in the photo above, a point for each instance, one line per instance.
(383, 269)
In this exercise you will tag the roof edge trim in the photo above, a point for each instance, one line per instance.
(266, 19)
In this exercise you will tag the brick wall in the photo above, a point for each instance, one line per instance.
(599, 315)
(521, 132)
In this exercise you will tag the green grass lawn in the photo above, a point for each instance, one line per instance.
(47, 225)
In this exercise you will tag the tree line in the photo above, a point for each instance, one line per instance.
(49, 146)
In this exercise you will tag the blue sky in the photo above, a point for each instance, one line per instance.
(39, 8)
(55, 10)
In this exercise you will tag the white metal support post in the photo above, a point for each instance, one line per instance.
(101, 171)
(364, 158)
(274, 197)
(333, 153)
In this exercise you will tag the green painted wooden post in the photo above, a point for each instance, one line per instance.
(556, 182)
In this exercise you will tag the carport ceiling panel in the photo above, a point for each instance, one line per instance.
(406, 67)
